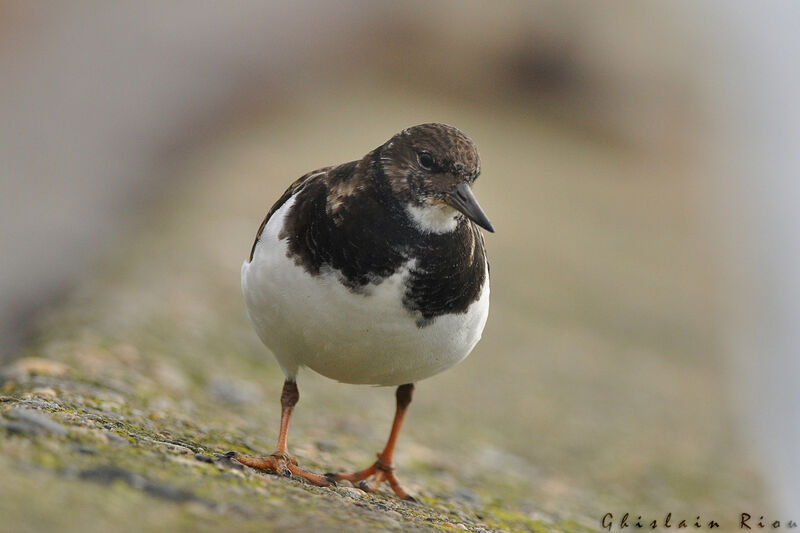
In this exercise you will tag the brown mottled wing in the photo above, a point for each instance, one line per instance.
(293, 188)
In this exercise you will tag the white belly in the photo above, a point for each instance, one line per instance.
(369, 338)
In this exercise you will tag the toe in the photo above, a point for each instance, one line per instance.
(315, 479)
(259, 463)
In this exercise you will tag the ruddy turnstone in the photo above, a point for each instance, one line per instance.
(372, 272)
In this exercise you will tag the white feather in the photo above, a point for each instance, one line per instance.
(433, 218)
(368, 338)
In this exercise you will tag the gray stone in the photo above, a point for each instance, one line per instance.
(28, 421)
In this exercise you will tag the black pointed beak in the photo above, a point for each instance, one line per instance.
(461, 198)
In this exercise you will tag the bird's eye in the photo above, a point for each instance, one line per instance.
(425, 160)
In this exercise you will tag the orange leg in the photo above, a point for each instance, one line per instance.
(280, 461)
(383, 469)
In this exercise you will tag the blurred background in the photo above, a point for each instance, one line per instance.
(640, 164)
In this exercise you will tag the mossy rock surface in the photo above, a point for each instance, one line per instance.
(589, 392)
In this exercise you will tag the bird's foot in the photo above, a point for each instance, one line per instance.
(283, 465)
(371, 477)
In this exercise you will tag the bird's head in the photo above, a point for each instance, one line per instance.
(430, 168)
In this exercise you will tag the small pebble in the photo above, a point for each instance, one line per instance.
(41, 404)
(351, 492)
(46, 392)
(33, 422)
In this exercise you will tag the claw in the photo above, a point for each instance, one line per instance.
(229, 459)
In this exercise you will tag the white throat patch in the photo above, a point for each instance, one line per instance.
(433, 219)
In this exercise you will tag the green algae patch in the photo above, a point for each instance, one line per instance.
(116, 438)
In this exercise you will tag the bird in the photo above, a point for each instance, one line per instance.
(372, 272)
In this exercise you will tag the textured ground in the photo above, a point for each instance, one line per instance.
(597, 388)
